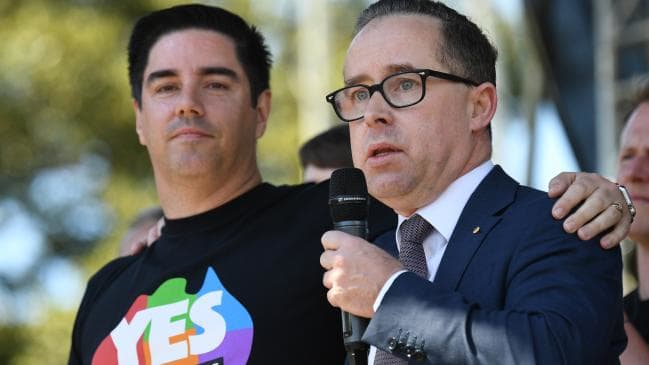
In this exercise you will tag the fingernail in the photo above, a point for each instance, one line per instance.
(570, 226)
(558, 212)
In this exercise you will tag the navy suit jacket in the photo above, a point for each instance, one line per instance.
(512, 288)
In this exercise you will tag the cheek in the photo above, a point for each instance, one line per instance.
(357, 144)
(623, 171)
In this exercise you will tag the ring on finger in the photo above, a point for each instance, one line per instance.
(617, 206)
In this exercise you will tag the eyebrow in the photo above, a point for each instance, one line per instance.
(204, 71)
(391, 69)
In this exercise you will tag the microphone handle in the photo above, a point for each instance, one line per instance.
(354, 326)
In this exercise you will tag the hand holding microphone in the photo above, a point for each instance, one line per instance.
(356, 269)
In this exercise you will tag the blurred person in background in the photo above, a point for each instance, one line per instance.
(633, 172)
(324, 153)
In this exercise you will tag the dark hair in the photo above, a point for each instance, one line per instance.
(251, 50)
(329, 149)
(466, 51)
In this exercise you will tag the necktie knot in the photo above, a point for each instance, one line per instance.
(415, 229)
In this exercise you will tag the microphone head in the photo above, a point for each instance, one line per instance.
(348, 198)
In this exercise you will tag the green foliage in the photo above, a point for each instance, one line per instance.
(12, 341)
(63, 88)
(46, 341)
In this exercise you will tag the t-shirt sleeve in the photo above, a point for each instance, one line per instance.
(95, 286)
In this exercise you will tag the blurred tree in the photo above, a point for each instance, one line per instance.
(47, 341)
(12, 341)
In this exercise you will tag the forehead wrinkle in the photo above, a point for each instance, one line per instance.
(388, 70)
(428, 33)
(200, 40)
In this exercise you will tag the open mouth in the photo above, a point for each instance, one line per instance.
(383, 151)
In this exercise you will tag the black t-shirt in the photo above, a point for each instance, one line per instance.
(239, 284)
(638, 313)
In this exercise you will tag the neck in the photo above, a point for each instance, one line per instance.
(406, 207)
(184, 197)
(642, 254)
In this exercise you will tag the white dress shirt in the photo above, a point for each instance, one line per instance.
(442, 214)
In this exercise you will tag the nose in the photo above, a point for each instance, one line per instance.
(189, 104)
(377, 111)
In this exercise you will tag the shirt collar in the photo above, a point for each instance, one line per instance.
(444, 212)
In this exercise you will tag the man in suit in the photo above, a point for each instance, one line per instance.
(485, 274)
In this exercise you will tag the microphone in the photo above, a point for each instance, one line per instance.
(349, 206)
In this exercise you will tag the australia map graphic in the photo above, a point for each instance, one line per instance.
(172, 326)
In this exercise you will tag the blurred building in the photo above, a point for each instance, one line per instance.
(592, 52)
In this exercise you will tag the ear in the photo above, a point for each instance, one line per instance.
(138, 122)
(483, 103)
(263, 111)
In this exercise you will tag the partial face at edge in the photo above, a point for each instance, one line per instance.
(633, 169)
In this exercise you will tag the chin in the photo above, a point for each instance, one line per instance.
(386, 187)
(194, 166)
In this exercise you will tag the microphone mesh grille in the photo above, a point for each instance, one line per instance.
(348, 183)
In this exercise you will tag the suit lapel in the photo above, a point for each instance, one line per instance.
(388, 242)
(481, 213)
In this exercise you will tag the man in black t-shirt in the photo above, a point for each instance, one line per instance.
(234, 278)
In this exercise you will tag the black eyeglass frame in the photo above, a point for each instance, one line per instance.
(423, 73)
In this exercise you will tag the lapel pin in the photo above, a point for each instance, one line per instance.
(476, 230)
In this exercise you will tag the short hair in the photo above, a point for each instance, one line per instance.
(466, 50)
(329, 149)
(250, 46)
(641, 95)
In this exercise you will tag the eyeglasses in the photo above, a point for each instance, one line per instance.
(399, 90)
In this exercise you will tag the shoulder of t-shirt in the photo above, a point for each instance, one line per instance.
(381, 219)
(105, 276)
(307, 193)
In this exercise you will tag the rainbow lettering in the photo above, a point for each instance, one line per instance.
(172, 326)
